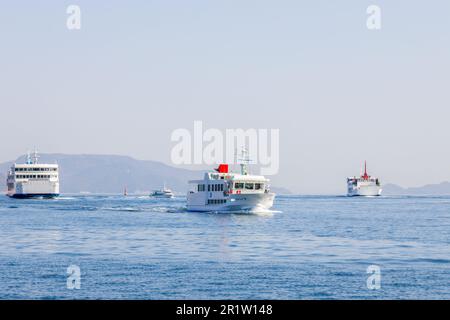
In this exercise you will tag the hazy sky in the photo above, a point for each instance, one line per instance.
(137, 70)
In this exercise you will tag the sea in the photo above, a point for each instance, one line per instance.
(307, 247)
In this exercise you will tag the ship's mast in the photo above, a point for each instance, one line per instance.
(244, 162)
(366, 176)
(35, 157)
(29, 161)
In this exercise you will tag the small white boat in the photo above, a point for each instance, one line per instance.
(162, 193)
(364, 185)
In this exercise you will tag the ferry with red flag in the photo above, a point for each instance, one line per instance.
(365, 185)
(222, 190)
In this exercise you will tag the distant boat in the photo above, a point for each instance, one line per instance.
(364, 185)
(125, 192)
(162, 193)
(33, 179)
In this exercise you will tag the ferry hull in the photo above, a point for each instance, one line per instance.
(372, 191)
(239, 203)
(37, 195)
(162, 196)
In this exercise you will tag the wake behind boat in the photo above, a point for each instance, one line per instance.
(221, 190)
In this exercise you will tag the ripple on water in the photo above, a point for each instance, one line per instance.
(315, 247)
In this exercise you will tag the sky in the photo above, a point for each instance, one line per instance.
(138, 70)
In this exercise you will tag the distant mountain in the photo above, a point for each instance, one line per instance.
(442, 188)
(111, 173)
(280, 190)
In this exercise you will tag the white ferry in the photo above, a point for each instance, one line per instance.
(364, 185)
(162, 193)
(221, 190)
(33, 179)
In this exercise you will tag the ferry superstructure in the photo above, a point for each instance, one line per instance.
(33, 179)
(364, 185)
(224, 191)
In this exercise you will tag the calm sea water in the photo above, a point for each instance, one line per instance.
(310, 247)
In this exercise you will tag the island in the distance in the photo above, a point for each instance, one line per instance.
(112, 173)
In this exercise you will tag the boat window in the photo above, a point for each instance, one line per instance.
(249, 186)
(239, 185)
(258, 186)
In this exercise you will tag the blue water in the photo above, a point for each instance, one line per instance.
(310, 247)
